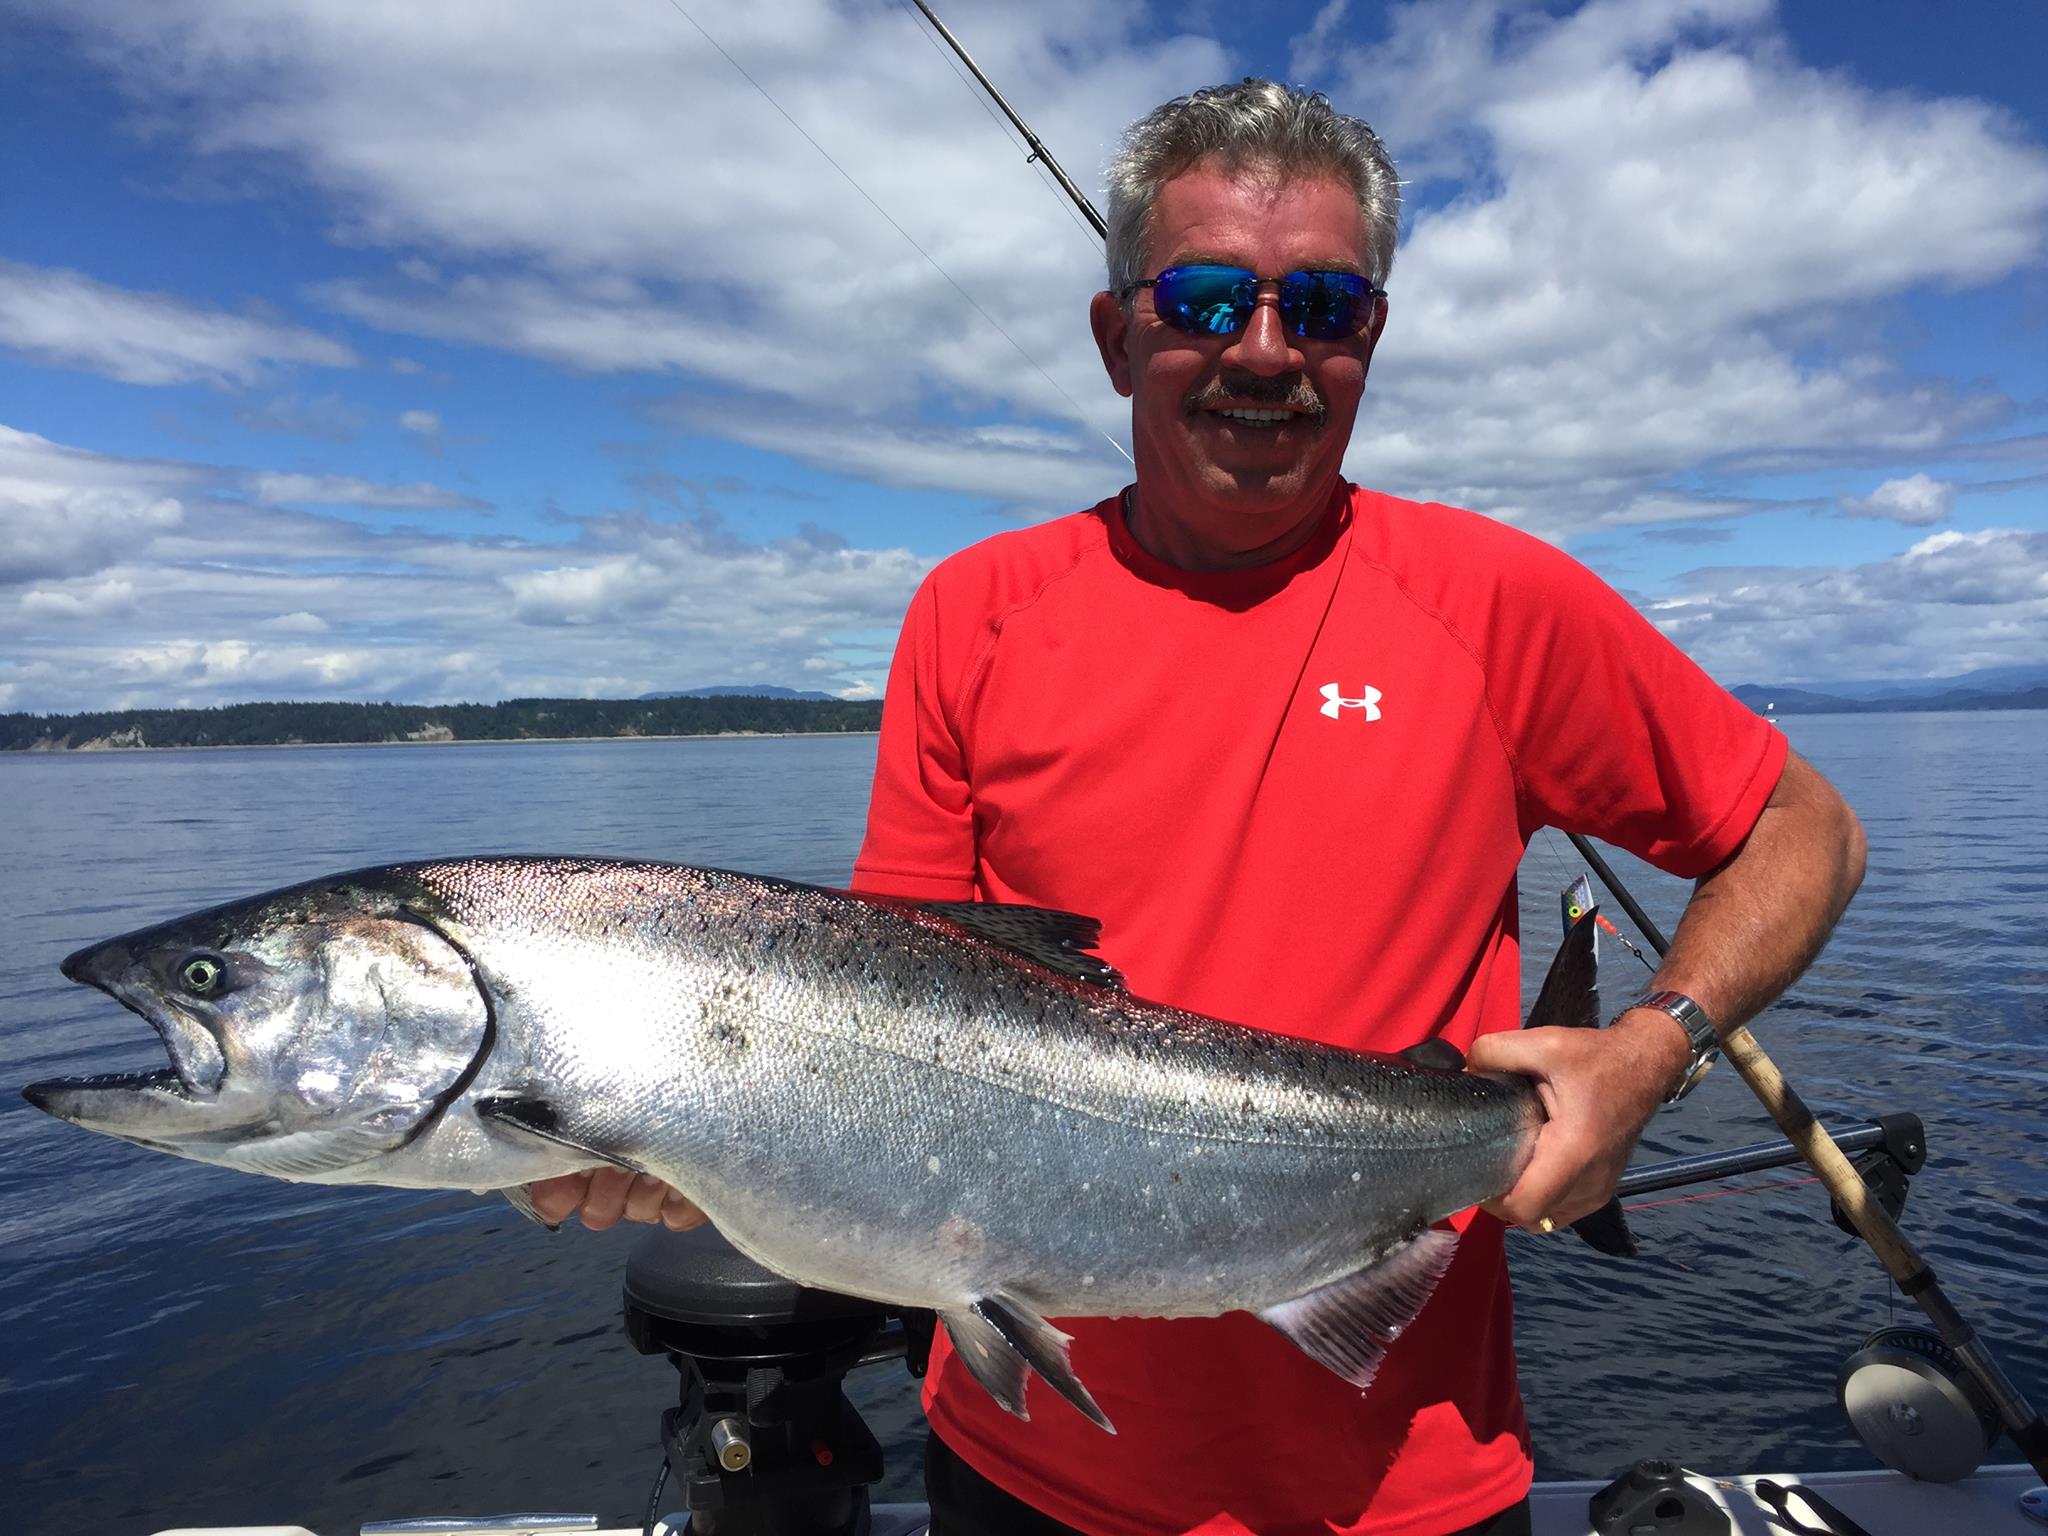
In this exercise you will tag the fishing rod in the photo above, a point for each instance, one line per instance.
(1854, 1199)
(1038, 150)
(1913, 1274)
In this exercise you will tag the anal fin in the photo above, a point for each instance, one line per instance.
(1348, 1324)
(997, 1337)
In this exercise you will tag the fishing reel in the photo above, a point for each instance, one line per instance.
(763, 1440)
(1915, 1406)
(1910, 1400)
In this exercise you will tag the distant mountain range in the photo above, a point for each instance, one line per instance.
(2022, 686)
(747, 691)
(2010, 687)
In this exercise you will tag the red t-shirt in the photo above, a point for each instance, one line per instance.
(1295, 796)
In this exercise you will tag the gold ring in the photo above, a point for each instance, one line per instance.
(1545, 1225)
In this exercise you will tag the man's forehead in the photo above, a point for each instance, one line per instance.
(1255, 214)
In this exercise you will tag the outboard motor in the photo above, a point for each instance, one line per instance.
(763, 1441)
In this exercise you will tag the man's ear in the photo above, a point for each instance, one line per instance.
(1112, 339)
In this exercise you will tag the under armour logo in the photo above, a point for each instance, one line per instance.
(1333, 701)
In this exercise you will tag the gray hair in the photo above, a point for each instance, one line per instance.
(1254, 125)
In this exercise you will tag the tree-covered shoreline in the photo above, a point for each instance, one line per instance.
(328, 724)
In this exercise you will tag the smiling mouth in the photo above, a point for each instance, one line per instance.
(1255, 416)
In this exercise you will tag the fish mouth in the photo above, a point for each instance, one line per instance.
(196, 1070)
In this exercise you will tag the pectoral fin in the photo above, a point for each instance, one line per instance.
(533, 1116)
(997, 1336)
(1348, 1324)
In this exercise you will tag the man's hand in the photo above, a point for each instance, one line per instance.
(1752, 926)
(604, 1196)
(1599, 1087)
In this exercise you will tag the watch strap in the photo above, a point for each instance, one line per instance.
(1699, 1030)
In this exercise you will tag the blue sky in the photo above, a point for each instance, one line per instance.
(485, 349)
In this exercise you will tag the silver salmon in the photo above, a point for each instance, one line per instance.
(950, 1105)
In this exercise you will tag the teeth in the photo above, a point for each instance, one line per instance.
(1241, 414)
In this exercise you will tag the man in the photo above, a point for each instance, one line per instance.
(1288, 739)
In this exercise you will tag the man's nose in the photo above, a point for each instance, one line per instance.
(1264, 347)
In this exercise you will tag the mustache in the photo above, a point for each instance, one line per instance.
(1292, 390)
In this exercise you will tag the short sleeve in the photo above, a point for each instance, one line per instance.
(920, 832)
(1613, 730)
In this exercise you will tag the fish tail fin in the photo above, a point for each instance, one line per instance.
(1571, 987)
(1607, 1230)
(1571, 999)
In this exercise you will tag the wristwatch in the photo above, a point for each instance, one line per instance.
(1699, 1029)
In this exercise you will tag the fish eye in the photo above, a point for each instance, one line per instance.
(202, 974)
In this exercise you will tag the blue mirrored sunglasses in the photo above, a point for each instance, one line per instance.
(1218, 301)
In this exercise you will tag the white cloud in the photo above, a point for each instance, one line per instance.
(1953, 602)
(1652, 257)
(92, 600)
(348, 491)
(1916, 500)
(298, 623)
(1666, 226)
(73, 321)
(1032, 472)
(1663, 227)
(219, 597)
(607, 193)
(67, 513)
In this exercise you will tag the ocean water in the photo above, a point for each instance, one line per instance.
(192, 1346)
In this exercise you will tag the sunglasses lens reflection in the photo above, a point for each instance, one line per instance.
(1218, 301)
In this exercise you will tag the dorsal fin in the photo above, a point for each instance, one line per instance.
(1059, 941)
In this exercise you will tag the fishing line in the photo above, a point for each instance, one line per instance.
(1563, 864)
(1722, 1194)
(930, 260)
(1030, 155)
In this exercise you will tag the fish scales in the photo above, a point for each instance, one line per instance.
(879, 1077)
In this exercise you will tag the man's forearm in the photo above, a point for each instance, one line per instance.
(1751, 927)
(1754, 924)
